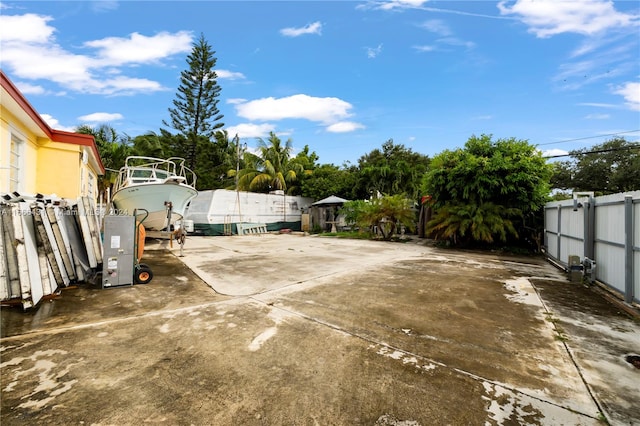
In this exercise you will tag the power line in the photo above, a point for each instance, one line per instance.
(588, 137)
(599, 151)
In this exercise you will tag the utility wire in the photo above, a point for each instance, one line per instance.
(599, 151)
(588, 137)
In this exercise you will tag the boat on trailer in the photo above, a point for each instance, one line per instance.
(157, 190)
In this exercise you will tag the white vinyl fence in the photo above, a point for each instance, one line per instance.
(604, 233)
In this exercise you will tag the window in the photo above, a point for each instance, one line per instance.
(16, 164)
(91, 190)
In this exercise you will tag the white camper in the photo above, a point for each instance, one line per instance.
(225, 212)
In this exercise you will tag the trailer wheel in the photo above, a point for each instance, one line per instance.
(143, 274)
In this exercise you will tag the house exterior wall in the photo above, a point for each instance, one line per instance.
(43, 160)
(10, 128)
(60, 170)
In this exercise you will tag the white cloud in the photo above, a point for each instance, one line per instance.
(574, 75)
(30, 89)
(373, 52)
(138, 48)
(344, 127)
(453, 41)
(425, 48)
(100, 117)
(447, 38)
(28, 41)
(28, 28)
(445, 45)
(401, 4)
(330, 112)
(554, 152)
(315, 28)
(597, 105)
(324, 110)
(104, 5)
(631, 93)
(230, 75)
(592, 44)
(235, 101)
(55, 124)
(597, 117)
(250, 130)
(436, 26)
(546, 18)
(62, 67)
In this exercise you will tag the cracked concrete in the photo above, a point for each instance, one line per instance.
(290, 329)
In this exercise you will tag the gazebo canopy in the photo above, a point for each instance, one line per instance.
(330, 201)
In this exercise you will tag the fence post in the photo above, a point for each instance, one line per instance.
(628, 249)
(559, 233)
(589, 228)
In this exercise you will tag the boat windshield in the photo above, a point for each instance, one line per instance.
(147, 175)
(140, 170)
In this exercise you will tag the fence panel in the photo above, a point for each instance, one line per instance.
(551, 233)
(636, 248)
(605, 228)
(564, 231)
(609, 241)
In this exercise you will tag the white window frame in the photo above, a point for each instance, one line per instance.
(16, 162)
(91, 187)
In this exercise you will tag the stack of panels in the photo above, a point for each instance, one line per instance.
(45, 244)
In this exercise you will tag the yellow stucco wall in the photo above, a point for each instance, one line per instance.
(49, 167)
(10, 125)
(59, 169)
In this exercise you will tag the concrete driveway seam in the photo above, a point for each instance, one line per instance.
(572, 357)
(383, 348)
(323, 331)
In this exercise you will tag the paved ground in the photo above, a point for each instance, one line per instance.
(303, 330)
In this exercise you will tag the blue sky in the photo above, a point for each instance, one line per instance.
(340, 76)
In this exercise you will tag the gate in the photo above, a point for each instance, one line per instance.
(604, 232)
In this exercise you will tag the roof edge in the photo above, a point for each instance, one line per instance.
(17, 96)
(53, 134)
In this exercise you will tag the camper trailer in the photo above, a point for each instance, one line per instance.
(225, 212)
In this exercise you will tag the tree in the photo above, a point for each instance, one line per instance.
(463, 223)
(393, 170)
(223, 155)
(607, 168)
(151, 145)
(384, 213)
(272, 169)
(113, 149)
(195, 112)
(307, 161)
(508, 178)
(327, 180)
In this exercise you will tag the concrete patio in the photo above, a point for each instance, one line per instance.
(296, 330)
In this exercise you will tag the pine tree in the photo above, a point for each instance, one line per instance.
(195, 114)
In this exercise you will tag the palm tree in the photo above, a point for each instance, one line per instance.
(149, 145)
(385, 213)
(484, 222)
(113, 149)
(271, 169)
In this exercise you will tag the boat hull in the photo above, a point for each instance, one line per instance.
(153, 197)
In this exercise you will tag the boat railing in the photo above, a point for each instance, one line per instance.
(139, 169)
(184, 171)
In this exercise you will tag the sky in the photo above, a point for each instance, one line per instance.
(342, 77)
